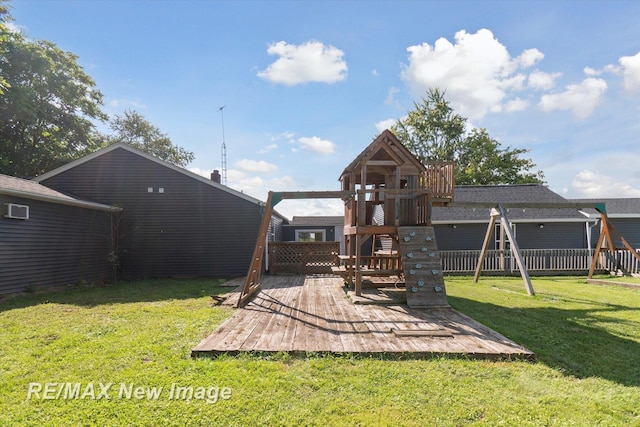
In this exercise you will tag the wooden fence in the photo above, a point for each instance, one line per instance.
(318, 257)
(303, 257)
(539, 260)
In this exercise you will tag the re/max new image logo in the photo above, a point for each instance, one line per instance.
(125, 391)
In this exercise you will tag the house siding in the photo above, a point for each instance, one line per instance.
(58, 245)
(565, 235)
(463, 237)
(289, 232)
(191, 229)
(629, 228)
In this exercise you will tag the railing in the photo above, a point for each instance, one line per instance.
(409, 206)
(620, 261)
(303, 257)
(318, 257)
(439, 178)
(502, 261)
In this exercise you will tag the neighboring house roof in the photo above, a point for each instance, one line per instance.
(124, 146)
(27, 189)
(616, 208)
(317, 221)
(523, 193)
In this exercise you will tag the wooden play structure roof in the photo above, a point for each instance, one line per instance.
(382, 157)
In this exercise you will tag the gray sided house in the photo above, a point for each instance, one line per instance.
(314, 229)
(464, 228)
(173, 223)
(624, 215)
(51, 239)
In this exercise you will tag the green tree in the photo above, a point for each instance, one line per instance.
(135, 130)
(433, 132)
(48, 105)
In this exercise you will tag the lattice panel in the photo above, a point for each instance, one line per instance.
(303, 257)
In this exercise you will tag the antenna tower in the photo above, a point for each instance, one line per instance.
(224, 149)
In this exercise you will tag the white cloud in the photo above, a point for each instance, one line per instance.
(516, 104)
(390, 99)
(610, 68)
(529, 58)
(256, 166)
(317, 145)
(540, 80)
(375, 73)
(268, 148)
(282, 183)
(15, 28)
(311, 207)
(251, 185)
(589, 184)
(631, 72)
(309, 62)
(124, 104)
(202, 172)
(288, 136)
(581, 98)
(385, 124)
(476, 71)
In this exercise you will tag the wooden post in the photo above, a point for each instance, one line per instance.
(506, 225)
(606, 231)
(485, 244)
(596, 253)
(252, 281)
(357, 267)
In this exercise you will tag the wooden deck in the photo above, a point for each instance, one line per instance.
(314, 314)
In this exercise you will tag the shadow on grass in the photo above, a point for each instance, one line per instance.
(567, 340)
(120, 293)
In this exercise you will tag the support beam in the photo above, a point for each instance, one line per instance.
(252, 281)
(499, 212)
(485, 244)
(506, 226)
(605, 241)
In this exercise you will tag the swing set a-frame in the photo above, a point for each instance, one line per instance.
(606, 241)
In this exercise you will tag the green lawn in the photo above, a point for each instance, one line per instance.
(139, 334)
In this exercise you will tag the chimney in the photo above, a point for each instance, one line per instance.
(215, 176)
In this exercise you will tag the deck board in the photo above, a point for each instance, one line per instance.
(314, 314)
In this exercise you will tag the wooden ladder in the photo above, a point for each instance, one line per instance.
(252, 281)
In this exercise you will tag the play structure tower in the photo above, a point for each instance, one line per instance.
(393, 193)
(388, 195)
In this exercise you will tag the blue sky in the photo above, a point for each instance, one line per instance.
(307, 85)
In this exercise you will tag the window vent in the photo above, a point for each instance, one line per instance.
(11, 210)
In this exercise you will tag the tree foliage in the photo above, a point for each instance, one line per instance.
(136, 131)
(48, 105)
(433, 132)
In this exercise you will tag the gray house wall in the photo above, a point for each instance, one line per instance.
(463, 237)
(182, 227)
(564, 235)
(289, 232)
(58, 245)
(629, 228)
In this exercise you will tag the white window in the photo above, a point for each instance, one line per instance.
(310, 235)
(149, 189)
(12, 210)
